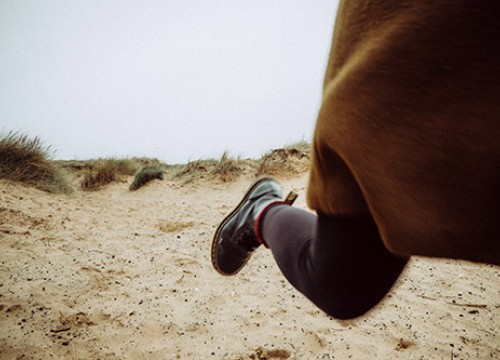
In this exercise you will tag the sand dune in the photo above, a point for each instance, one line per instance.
(115, 274)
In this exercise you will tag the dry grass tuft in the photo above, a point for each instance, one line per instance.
(224, 169)
(291, 160)
(99, 173)
(27, 160)
(227, 168)
(187, 173)
(145, 175)
(149, 162)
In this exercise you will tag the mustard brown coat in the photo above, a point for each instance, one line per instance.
(409, 127)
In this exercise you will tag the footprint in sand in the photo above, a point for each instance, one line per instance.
(170, 227)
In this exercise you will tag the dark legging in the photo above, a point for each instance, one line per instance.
(340, 264)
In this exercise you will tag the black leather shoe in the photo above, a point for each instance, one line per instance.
(235, 238)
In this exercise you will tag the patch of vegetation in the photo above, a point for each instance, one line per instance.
(225, 169)
(292, 159)
(101, 172)
(149, 162)
(27, 160)
(145, 175)
(193, 169)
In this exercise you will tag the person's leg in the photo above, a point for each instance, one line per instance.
(340, 264)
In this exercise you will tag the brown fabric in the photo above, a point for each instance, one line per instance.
(409, 128)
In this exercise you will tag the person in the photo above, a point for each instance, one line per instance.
(405, 161)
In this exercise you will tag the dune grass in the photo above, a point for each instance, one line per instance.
(292, 158)
(146, 175)
(27, 160)
(102, 172)
(225, 169)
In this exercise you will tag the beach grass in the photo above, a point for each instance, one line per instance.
(146, 175)
(102, 172)
(27, 160)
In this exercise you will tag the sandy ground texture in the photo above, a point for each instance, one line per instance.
(115, 274)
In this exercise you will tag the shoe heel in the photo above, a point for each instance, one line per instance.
(291, 197)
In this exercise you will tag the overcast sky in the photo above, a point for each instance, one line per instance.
(177, 80)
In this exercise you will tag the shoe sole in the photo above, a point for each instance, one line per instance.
(216, 237)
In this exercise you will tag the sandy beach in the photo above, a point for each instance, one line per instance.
(115, 274)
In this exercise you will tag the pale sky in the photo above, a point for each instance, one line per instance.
(178, 80)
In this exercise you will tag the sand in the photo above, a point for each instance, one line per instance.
(115, 274)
